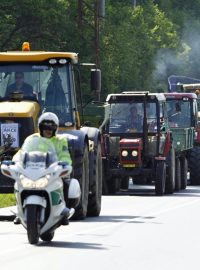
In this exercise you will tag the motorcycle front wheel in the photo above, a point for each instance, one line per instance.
(32, 223)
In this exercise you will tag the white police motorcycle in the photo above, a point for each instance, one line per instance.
(39, 188)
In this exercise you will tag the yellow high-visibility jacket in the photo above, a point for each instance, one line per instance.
(61, 147)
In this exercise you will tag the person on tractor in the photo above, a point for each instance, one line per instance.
(134, 120)
(48, 124)
(175, 115)
(20, 85)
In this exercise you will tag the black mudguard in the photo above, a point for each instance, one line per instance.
(93, 134)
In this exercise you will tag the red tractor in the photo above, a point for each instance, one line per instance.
(140, 149)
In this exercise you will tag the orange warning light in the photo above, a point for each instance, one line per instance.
(26, 46)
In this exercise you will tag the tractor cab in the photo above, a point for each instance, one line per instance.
(36, 83)
(140, 116)
(182, 110)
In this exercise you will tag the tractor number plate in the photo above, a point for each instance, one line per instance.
(10, 133)
(129, 165)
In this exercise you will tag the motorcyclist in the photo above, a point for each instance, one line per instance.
(48, 124)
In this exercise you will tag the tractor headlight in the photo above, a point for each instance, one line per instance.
(52, 61)
(28, 183)
(124, 153)
(134, 153)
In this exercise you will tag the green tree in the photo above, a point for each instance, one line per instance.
(41, 22)
(130, 40)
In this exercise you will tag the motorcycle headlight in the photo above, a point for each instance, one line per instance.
(124, 153)
(134, 153)
(28, 183)
(41, 183)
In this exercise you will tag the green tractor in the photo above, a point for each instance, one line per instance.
(182, 116)
(190, 85)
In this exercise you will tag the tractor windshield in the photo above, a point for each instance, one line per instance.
(47, 84)
(129, 117)
(179, 113)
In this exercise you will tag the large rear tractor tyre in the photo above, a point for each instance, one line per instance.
(194, 166)
(184, 171)
(160, 178)
(94, 202)
(170, 178)
(47, 237)
(178, 175)
(81, 173)
(32, 212)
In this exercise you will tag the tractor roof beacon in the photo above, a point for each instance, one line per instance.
(51, 84)
(143, 151)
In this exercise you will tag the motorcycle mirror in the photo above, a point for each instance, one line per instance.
(8, 162)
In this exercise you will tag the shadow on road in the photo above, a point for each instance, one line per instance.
(149, 191)
(71, 245)
(7, 217)
(119, 218)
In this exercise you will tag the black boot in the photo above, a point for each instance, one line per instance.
(17, 221)
(65, 213)
(65, 221)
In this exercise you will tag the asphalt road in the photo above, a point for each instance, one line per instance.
(136, 230)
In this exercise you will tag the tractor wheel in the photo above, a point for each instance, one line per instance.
(160, 178)
(170, 178)
(194, 166)
(94, 202)
(105, 178)
(113, 185)
(124, 182)
(177, 175)
(81, 173)
(184, 171)
(140, 180)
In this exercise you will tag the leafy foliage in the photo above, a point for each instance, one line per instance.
(139, 46)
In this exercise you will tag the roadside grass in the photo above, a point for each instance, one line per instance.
(7, 200)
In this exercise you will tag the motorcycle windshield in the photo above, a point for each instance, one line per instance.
(38, 152)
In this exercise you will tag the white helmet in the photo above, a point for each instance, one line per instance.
(49, 121)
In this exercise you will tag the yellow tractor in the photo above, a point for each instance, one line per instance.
(34, 82)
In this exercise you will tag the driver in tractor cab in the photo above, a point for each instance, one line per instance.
(175, 115)
(48, 125)
(134, 120)
(20, 85)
